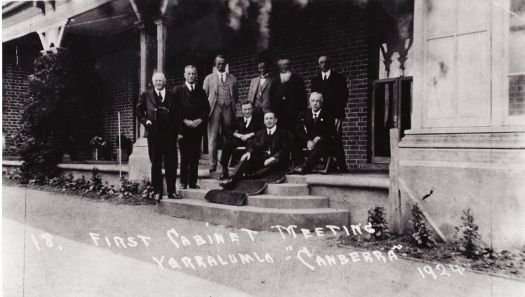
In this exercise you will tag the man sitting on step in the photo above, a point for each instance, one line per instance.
(240, 133)
(315, 130)
(267, 153)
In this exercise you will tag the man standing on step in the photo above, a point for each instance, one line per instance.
(221, 90)
(259, 91)
(335, 94)
(158, 111)
(240, 134)
(268, 152)
(315, 131)
(194, 110)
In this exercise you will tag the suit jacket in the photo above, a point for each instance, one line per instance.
(210, 87)
(192, 107)
(335, 93)
(148, 109)
(264, 90)
(255, 125)
(288, 98)
(278, 148)
(308, 129)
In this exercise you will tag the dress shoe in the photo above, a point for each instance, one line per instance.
(194, 187)
(227, 185)
(174, 196)
(213, 168)
(183, 186)
(224, 175)
(157, 197)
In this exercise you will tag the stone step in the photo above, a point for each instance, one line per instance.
(267, 201)
(197, 194)
(209, 183)
(287, 189)
(296, 179)
(295, 202)
(254, 218)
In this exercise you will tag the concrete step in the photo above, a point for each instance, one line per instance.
(267, 201)
(197, 194)
(295, 202)
(254, 218)
(287, 189)
(296, 179)
(209, 183)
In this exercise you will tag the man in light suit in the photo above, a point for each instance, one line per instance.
(158, 110)
(335, 94)
(221, 90)
(259, 92)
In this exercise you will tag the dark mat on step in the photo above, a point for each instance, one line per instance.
(239, 194)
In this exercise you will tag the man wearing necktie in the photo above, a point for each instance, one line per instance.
(267, 153)
(259, 91)
(315, 130)
(194, 110)
(335, 94)
(158, 111)
(221, 90)
(239, 134)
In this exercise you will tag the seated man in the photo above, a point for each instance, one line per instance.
(315, 130)
(240, 133)
(268, 152)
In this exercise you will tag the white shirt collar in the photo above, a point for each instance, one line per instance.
(189, 85)
(271, 130)
(327, 74)
(285, 76)
(221, 73)
(247, 121)
(316, 113)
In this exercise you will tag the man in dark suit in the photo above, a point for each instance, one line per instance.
(315, 131)
(240, 134)
(194, 110)
(267, 153)
(259, 92)
(288, 95)
(335, 94)
(158, 111)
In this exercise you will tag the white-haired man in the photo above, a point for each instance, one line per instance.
(158, 111)
(315, 130)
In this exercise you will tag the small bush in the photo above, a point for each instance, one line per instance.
(128, 188)
(469, 238)
(376, 217)
(420, 233)
(147, 190)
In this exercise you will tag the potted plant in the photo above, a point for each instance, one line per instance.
(97, 143)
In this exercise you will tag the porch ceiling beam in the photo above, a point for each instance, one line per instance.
(136, 9)
(62, 12)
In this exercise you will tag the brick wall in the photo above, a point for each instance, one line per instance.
(337, 28)
(121, 83)
(17, 64)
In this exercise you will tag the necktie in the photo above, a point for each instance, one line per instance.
(222, 77)
(245, 123)
(160, 97)
(191, 88)
(324, 76)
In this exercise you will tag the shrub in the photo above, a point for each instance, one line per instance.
(376, 217)
(128, 188)
(469, 238)
(420, 233)
(147, 190)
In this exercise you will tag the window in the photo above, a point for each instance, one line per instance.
(516, 43)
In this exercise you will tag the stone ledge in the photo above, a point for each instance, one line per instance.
(355, 180)
(110, 168)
